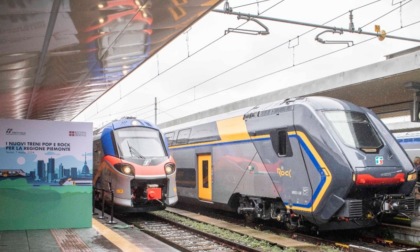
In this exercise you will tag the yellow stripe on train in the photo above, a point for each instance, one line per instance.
(322, 165)
(230, 130)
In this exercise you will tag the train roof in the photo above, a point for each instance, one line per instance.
(126, 122)
(271, 108)
(316, 102)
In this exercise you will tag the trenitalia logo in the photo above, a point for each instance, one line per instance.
(10, 132)
(77, 133)
(379, 160)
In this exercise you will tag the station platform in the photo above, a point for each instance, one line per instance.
(100, 237)
(104, 237)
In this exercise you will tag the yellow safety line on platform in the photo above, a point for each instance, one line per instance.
(113, 237)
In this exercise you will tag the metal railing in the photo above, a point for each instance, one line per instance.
(102, 192)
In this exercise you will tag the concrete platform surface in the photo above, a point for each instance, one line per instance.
(100, 237)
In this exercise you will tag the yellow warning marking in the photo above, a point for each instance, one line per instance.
(113, 237)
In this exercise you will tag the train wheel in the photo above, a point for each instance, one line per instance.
(249, 217)
(291, 226)
(292, 223)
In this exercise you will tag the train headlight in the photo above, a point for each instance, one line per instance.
(412, 176)
(126, 169)
(169, 168)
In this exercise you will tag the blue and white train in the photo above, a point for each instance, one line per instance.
(132, 160)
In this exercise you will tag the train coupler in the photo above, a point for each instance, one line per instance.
(154, 193)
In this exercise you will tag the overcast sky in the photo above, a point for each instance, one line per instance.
(205, 68)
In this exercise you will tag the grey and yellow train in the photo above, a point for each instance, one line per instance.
(314, 161)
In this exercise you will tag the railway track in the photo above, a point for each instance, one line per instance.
(177, 234)
(182, 237)
(332, 241)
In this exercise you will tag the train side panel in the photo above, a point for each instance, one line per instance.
(186, 172)
(328, 169)
(284, 163)
(315, 159)
(238, 168)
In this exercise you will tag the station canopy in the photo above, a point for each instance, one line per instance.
(59, 56)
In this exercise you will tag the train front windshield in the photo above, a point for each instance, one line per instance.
(354, 129)
(139, 143)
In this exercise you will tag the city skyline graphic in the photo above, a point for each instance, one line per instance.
(53, 170)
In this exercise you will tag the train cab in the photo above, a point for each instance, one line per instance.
(133, 167)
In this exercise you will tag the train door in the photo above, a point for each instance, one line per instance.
(204, 177)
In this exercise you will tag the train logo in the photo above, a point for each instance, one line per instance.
(379, 160)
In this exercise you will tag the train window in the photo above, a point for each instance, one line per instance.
(183, 136)
(281, 143)
(203, 133)
(186, 177)
(205, 174)
(170, 138)
(354, 129)
(139, 142)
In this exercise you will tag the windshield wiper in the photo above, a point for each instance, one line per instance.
(134, 152)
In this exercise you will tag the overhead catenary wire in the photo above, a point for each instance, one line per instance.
(242, 64)
(261, 54)
(276, 71)
(245, 5)
(359, 31)
(257, 56)
(206, 46)
(180, 62)
(198, 51)
(399, 7)
(237, 65)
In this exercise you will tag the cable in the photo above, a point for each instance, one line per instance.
(271, 7)
(242, 64)
(255, 57)
(244, 5)
(232, 68)
(283, 69)
(125, 112)
(269, 51)
(385, 14)
(259, 55)
(181, 61)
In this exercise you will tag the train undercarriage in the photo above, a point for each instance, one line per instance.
(265, 209)
(353, 214)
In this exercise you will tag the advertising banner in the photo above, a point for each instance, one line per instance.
(45, 174)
